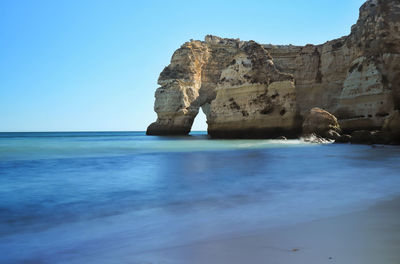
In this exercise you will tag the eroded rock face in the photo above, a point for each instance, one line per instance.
(180, 83)
(189, 83)
(253, 98)
(252, 90)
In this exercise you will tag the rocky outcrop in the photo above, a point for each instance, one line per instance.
(177, 100)
(368, 137)
(389, 134)
(392, 127)
(189, 83)
(248, 89)
(355, 77)
(253, 95)
(322, 124)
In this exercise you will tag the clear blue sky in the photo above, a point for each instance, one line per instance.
(93, 65)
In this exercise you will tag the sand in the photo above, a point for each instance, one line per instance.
(369, 236)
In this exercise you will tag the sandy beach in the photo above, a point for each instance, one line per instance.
(369, 236)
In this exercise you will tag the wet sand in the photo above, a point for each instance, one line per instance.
(369, 236)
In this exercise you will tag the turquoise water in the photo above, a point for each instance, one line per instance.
(105, 197)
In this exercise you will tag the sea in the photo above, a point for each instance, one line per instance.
(113, 197)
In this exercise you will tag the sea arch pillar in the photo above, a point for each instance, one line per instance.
(176, 100)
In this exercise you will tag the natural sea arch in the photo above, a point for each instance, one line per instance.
(200, 122)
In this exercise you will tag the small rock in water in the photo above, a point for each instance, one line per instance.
(322, 124)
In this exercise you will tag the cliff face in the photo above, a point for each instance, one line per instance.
(251, 90)
(253, 95)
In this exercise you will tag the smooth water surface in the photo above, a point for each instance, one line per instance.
(110, 196)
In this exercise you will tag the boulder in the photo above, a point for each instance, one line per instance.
(322, 124)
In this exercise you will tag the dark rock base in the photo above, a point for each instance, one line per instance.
(160, 130)
(255, 133)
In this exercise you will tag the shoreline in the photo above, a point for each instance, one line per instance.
(367, 236)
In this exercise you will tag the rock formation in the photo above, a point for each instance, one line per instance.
(322, 124)
(253, 95)
(248, 89)
(392, 127)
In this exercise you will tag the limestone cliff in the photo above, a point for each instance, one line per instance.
(248, 89)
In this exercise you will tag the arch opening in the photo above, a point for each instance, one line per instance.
(200, 122)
